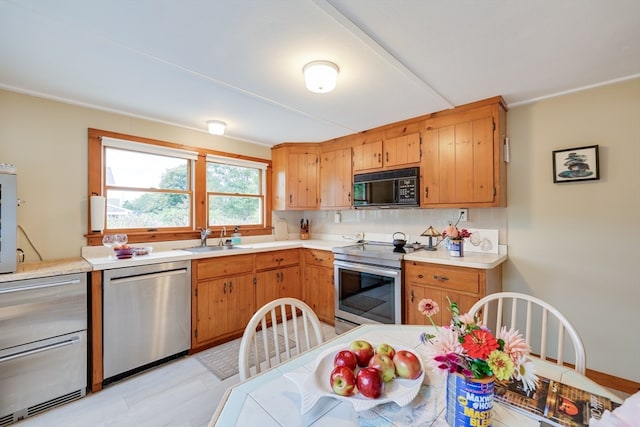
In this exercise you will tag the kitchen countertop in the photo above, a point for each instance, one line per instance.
(93, 258)
(34, 270)
(105, 263)
(470, 259)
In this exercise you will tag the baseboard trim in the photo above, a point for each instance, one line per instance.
(611, 381)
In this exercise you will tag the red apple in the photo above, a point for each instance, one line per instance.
(346, 358)
(343, 381)
(369, 382)
(407, 364)
(386, 349)
(385, 365)
(363, 351)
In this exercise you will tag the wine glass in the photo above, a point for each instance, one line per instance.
(109, 240)
(121, 239)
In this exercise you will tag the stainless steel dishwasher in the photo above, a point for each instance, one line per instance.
(146, 316)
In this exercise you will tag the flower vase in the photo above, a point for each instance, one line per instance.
(456, 247)
(469, 401)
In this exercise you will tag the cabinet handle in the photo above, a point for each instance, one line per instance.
(290, 198)
(319, 259)
(387, 153)
(379, 157)
(279, 259)
(420, 276)
(349, 196)
(412, 296)
(224, 288)
(230, 286)
(426, 192)
(441, 278)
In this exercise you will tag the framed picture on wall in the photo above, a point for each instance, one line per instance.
(576, 164)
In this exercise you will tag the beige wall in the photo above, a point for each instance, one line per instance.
(47, 141)
(575, 244)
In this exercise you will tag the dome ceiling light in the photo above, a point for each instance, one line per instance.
(216, 127)
(320, 76)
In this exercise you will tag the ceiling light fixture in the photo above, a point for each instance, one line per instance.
(320, 76)
(216, 127)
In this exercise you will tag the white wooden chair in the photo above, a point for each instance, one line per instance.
(522, 310)
(278, 331)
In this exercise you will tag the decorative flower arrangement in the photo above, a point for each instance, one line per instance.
(468, 347)
(453, 233)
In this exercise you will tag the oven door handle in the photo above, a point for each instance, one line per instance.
(366, 268)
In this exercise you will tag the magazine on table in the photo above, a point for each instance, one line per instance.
(553, 402)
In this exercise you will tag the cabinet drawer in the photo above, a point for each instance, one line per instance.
(446, 277)
(318, 257)
(274, 259)
(224, 266)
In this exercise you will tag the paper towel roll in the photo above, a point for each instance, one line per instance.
(98, 204)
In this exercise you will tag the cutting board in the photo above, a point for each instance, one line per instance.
(281, 231)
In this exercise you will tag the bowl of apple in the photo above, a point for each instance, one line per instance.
(363, 374)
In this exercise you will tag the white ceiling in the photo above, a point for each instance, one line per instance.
(188, 61)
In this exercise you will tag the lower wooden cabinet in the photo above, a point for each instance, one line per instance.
(319, 291)
(277, 275)
(462, 285)
(223, 298)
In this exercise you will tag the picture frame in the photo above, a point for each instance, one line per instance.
(576, 164)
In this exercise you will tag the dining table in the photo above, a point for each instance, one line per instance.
(289, 395)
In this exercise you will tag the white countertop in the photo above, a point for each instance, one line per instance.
(164, 253)
(470, 259)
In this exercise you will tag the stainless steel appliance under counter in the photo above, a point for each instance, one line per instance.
(43, 344)
(146, 316)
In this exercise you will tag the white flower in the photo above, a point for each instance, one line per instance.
(526, 372)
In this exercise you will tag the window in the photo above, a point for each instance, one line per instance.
(147, 187)
(235, 191)
(162, 191)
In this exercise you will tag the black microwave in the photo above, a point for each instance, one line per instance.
(396, 188)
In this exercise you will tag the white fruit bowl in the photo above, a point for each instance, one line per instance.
(316, 385)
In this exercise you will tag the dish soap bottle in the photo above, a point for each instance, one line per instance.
(235, 238)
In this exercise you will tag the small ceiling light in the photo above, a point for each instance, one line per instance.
(216, 127)
(320, 76)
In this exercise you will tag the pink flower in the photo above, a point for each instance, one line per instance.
(514, 344)
(428, 307)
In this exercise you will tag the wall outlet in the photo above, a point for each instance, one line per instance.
(463, 214)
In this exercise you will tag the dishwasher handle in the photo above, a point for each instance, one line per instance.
(127, 279)
(39, 286)
(71, 341)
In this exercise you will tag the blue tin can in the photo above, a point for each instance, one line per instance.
(469, 401)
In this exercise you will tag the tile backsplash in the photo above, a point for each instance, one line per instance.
(380, 224)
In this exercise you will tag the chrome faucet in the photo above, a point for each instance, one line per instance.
(223, 233)
(204, 233)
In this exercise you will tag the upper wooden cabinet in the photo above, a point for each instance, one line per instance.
(401, 151)
(336, 178)
(295, 176)
(367, 156)
(463, 161)
(387, 153)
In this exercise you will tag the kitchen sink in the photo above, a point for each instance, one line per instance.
(209, 248)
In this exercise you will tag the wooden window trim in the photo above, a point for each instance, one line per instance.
(95, 186)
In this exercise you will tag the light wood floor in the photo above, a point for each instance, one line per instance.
(181, 393)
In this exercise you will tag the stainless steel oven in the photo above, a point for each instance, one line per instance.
(368, 284)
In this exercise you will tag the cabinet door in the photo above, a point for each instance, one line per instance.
(240, 302)
(319, 292)
(414, 293)
(458, 161)
(211, 308)
(367, 156)
(402, 150)
(278, 283)
(336, 179)
(302, 180)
